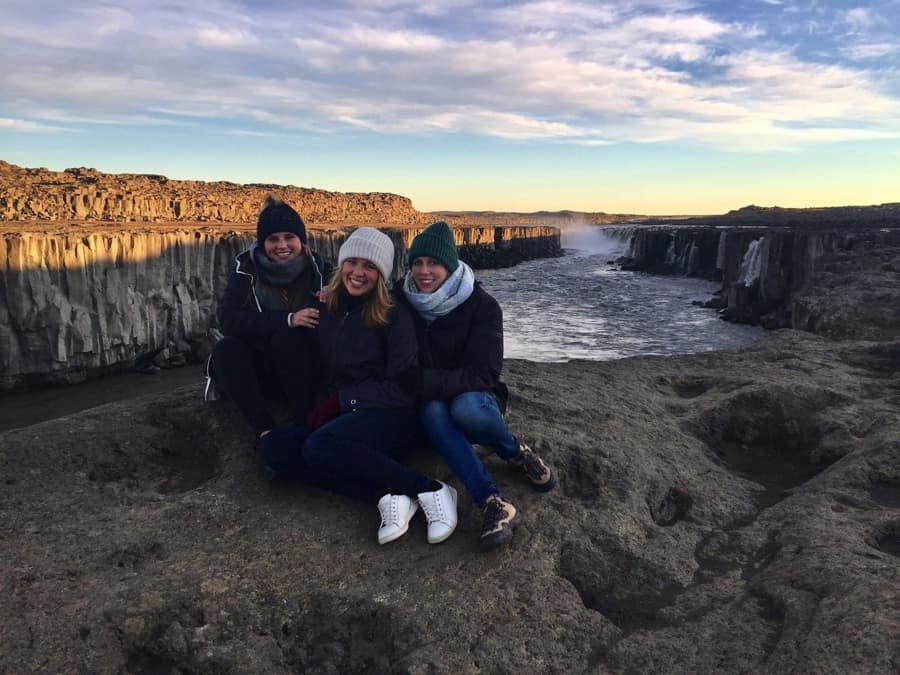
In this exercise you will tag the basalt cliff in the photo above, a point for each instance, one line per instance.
(778, 266)
(98, 271)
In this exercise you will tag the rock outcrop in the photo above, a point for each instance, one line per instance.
(77, 302)
(716, 513)
(770, 275)
(84, 194)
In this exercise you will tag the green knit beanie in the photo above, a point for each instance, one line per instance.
(435, 241)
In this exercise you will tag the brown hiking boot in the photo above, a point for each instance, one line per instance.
(500, 519)
(536, 470)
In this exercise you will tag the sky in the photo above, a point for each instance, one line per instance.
(645, 107)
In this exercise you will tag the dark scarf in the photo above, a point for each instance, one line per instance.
(277, 284)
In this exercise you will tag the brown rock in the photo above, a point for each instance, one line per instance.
(88, 194)
(721, 512)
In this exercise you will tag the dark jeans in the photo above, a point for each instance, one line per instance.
(358, 454)
(280, 369)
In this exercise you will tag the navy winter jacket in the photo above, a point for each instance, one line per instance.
(240, 312)
(360, 363)
(463, 350)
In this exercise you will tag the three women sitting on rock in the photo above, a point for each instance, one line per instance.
(436, 340)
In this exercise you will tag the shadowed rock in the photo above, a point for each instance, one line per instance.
(143, 537)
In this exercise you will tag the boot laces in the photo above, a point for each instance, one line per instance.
(494, 512)
(389, 515)
(532, 464)
(433, 508)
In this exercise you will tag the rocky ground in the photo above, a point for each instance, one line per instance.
(725, 512)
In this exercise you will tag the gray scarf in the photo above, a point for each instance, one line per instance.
(272, 277)
(454, 292)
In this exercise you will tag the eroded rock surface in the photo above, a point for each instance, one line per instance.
(726, 512)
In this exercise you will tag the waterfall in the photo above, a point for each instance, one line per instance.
(751, 263)
(720, 252)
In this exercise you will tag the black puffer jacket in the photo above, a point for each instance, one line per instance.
(360, 363)
(240, 312)
(463, 350)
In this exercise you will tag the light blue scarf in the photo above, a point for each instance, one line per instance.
(452, 293)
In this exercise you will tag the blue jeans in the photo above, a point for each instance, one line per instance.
(472, 417)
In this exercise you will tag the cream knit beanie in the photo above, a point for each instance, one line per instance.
(372, 245)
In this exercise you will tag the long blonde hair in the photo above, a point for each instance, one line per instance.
(375, 311)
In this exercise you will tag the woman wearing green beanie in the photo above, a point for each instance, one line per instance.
(460, 332)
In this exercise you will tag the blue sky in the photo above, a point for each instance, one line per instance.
(656, 107)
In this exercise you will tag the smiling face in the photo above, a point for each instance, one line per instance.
(282, 246)
(429, 274)
(359, 276)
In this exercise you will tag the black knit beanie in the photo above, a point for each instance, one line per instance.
(435, 241)
(277, 216)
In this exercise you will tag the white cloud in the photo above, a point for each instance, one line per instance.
(368, 38)
(27, 126)
(862, 52)
(219, 38)
(859, 18)
(586, 72)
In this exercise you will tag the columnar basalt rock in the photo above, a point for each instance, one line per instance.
(766, 272)
(97, 270)
(77, 302)
(496, 246)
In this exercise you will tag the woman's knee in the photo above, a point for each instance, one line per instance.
(474, 410)
(228, 351)
(434, 413)
(322, 448)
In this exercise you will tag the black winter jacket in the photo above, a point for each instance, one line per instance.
(361, 363)
(240, 313)
(463, 350)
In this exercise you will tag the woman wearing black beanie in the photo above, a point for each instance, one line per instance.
(266, 315)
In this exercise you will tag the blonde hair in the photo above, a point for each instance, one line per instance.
(375, 311)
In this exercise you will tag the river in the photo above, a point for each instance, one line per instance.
(582, 306)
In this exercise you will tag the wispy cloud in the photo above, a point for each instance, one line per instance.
(27, 126)
(562, 70)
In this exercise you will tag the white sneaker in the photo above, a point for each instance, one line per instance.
(440, 510)
(396, 512)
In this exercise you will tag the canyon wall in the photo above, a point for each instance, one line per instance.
(77, 302)
(99, 271)
(769, 273)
